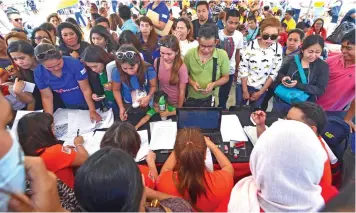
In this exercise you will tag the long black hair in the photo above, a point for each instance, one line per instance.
(35, 133)
(34, 34)
(111, 45)
(109, 181)
(70, 26)
(311, 40)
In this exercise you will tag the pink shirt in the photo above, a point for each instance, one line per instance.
(340, 90)
(171, 90)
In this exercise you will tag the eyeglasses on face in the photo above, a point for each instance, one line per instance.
(38, 38)
(18, 19)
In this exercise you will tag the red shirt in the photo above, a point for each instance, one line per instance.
(322, 32)
(59, 161)
(283, 39)
(219, 185)
(149, 180)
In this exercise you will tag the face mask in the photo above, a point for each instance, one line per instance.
(12, 175)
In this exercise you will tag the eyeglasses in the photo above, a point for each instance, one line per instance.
(165, 44)
(38, 38)
(18, 19)
(44, 54)
(127, 55)
(267, 36)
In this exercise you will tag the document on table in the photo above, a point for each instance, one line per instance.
(231, 129)
(91, 141)
(19, 115)
(107, 119)
(251, 132)
(163, 135)
(144, 148)
(80, 119)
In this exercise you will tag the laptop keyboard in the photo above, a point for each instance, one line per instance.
(216, 138)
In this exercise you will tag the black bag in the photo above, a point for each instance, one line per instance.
(340, 31)
(208, 101)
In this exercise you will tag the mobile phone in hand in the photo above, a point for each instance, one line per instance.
(100, 96)
(288, 81)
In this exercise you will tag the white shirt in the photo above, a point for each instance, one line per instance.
(187, 45)
(238, 39)
(258, 64)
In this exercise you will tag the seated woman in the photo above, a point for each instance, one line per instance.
(96, 59)
(182, 28)
(38, 34)
(292, 185)
(101, 37)
(70, 40)
(21, 53)
(315, 70)
(148, 39)
(172, 72)
(66, 76)
(317, 28)
(110, 181)
(184, 173)
(132, 74)
(36, 136)
(294, 40)
(124, 136)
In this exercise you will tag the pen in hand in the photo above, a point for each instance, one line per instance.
(78, 132)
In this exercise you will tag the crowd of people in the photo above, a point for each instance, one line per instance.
(121, 60)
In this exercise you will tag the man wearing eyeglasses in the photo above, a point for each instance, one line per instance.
(200, 64)
(15, 19)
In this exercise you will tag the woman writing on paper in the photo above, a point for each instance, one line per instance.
(134, 81)
(315, 69)
(96, 58)
(184, 174)
(36, 136)
(124, 136)
(66, 76)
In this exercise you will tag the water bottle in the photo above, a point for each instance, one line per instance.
(162, 106)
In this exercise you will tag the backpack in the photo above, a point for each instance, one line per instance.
(336, 134)
(228, 45)
(340, 31)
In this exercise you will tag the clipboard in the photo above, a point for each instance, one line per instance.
(155, 19)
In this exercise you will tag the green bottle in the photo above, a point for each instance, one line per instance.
(162, 106)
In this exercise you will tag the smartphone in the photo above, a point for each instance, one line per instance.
(201, 90)
(100, 96)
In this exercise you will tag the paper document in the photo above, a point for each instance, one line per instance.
(163, 135)
(251, 132)
(231, 129)
(107, 119)
(209, 160)
(29, 87)
(80, 119)
(144, 149)
(91, 141)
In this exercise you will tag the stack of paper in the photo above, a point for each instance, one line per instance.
(163, 135)
(251, 132)
(231, 129)
(144, 149)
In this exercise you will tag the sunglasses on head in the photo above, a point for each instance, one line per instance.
(44, 54)
(165, 44)
(267, 36)
(18, 19)
(125, 55)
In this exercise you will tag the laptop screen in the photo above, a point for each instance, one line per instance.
(205, 119)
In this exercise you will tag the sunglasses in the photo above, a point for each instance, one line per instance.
(165, 44)
(44, 54)
(18, 19)
(125, 55)
(272, 37)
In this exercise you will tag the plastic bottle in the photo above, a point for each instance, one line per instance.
(162, 106)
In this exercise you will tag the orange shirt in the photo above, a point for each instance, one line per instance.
(326, 179)
(60, 162)
(149, 180)
(219, 185)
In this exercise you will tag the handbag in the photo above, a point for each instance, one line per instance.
(293, 95)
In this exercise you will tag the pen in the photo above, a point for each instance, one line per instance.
(78, 132)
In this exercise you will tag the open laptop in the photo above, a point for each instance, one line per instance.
(207, 119)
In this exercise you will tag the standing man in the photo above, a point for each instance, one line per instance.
(290, 22)
(161, 8)
(203, 17)
(105, 5)
(231, 41)
(129, 24)
(15, 19)
(200, 61)
(252, 28)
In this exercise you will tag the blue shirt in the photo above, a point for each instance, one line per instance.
(162, 10)
(135, 84)
(149, 55)
(252, 34)
(67, 85)
(130, 25)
